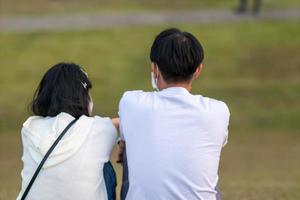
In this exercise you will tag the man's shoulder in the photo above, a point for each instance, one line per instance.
(134, 95)
(132, 98)
(131, 93)
(214, 104)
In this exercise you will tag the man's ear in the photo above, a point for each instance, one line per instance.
(197, 72)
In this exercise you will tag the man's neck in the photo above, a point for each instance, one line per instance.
(187, 86)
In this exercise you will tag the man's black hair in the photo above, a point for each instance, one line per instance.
(177, 54)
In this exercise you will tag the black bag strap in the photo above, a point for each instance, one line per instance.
(45, 158)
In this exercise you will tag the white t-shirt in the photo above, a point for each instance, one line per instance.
(173, 141)
(74, 170)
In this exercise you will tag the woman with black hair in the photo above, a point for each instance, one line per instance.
(74, 168)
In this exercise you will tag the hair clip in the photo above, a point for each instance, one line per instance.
(84, 85)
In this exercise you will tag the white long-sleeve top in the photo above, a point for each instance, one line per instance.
(74, 170)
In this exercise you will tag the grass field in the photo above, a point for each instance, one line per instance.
(38, 7)
(253, 66)
(256, 166)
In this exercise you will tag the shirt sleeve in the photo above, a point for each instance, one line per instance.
(108, 133)
(225, 138)
(121, 116)
(227, 117)
(127, 105)
(121, 130)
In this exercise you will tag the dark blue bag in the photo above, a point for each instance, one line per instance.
(110, 179)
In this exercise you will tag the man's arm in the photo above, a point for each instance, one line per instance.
(116, 123)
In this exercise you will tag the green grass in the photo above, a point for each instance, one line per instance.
(33, 7)
(261, 166)
(257, 166)
(254, 67)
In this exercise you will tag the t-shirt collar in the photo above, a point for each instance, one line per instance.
(175, 90)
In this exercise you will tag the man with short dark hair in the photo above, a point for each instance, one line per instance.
(173, 138)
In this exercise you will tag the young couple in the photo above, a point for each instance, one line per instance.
(173, 138)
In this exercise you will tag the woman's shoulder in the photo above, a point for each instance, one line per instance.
(31, 119)
(103, 124)
(103, 121)
(33, 122)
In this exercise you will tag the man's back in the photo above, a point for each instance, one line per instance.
(174, 140)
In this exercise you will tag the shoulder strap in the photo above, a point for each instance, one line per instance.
(45, 158)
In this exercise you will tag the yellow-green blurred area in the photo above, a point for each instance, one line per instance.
(32, 7)
(253, 66)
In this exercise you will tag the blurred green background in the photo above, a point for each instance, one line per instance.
(254, 66)
(37, 7)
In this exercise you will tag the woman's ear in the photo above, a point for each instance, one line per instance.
(197, 72)
(90, 105)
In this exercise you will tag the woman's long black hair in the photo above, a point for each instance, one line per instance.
(64, 88)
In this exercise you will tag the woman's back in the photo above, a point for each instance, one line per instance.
(74, 170)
